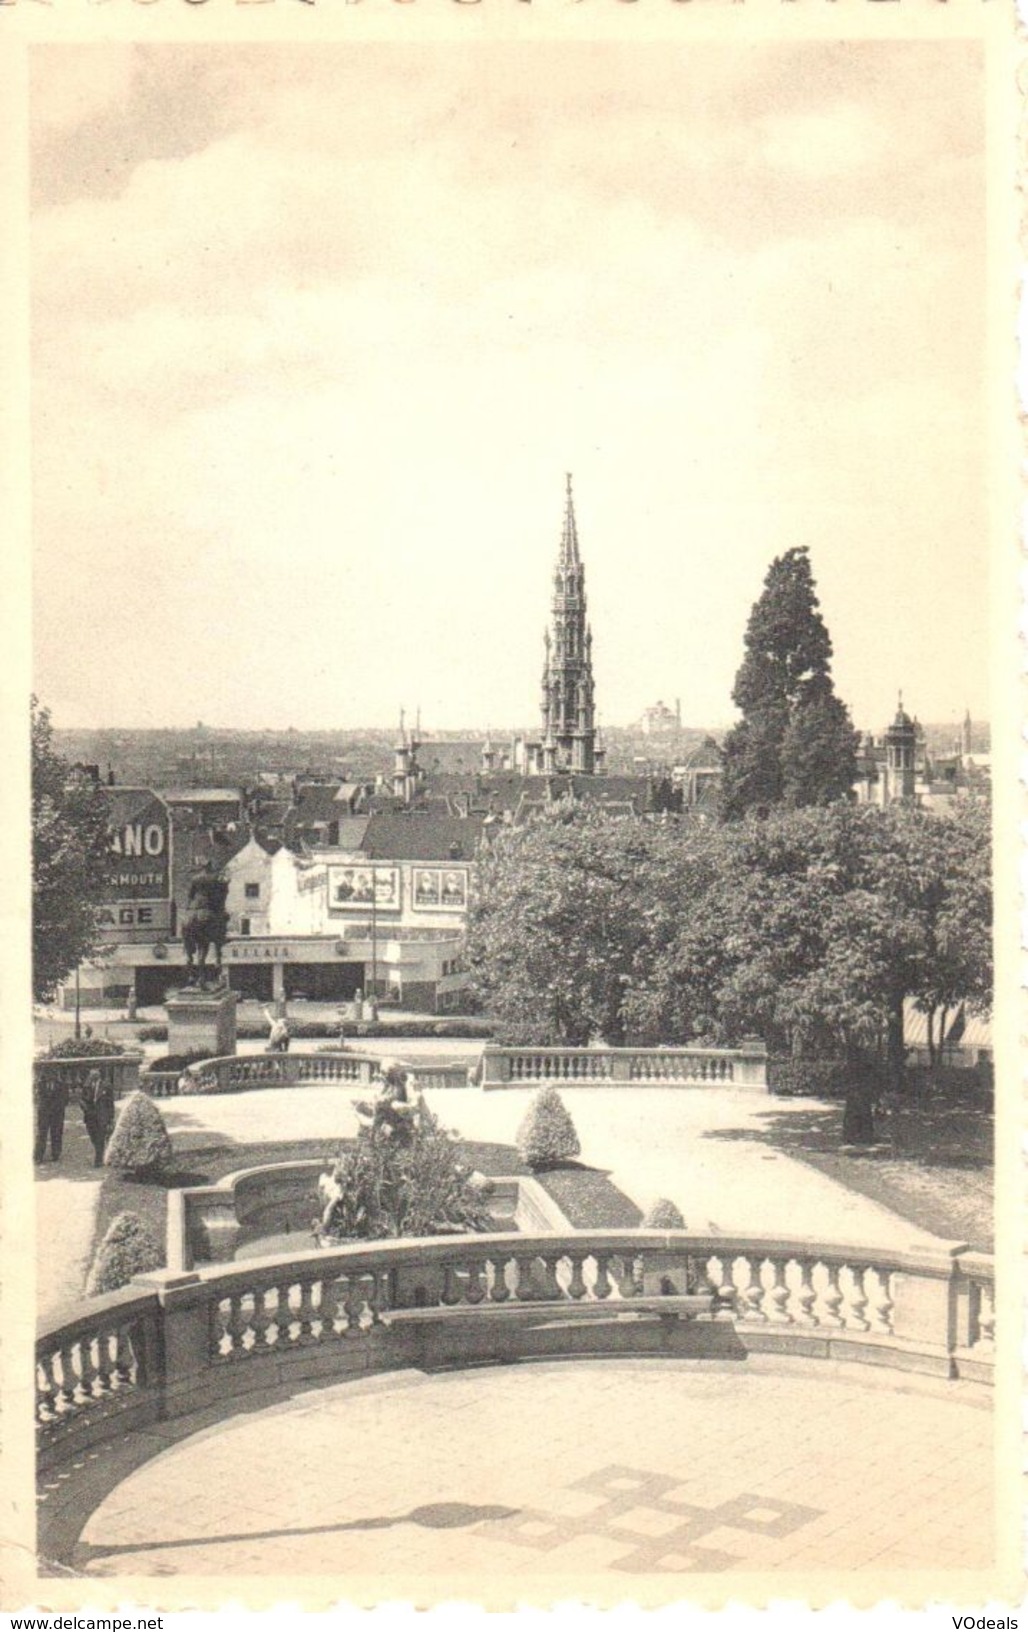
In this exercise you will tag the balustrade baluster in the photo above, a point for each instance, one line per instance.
(334, 1305)
(46, 1391)
(601, 1280)
(377, 1294)
(881, 1300)
(576, 1283)
(626, 1273)
(527, 1291)
(475, 1290)
(93, 1379)
(778, 1293)
(353, 1306)
(453, 1289)
(984, 1323)
(499, 1291)
(753, 1292)
(262, 1320)
(67, 1399)
(546, 1277)
(806, 1296)
(831, 1298)
(856, 1299)
(719, 1274)
(308, 1312)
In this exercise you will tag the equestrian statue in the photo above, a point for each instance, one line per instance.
(205, 925)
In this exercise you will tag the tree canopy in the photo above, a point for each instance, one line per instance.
(808, 928)
(69, 852)
(795, 743)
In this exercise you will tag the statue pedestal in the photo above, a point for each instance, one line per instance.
(202, 1022)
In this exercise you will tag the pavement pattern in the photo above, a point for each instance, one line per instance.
(612, 1467)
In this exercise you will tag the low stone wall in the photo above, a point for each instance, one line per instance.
(208, 1223)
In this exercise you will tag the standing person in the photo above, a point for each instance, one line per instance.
(51, 1102)
(98, 1113)
(278, 1036)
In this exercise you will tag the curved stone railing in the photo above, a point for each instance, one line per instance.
(117, 1071)
(234, 1073)
(644, 1067)
(173, 1343)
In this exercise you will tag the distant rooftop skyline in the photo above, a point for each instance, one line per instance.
(316, 393)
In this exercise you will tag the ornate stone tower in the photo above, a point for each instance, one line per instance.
(900, 751)
(569, 719)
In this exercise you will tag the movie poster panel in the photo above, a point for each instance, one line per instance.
(440, 889)
(357, 888)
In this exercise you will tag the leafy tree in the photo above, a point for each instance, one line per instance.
(547, 1134)
(69, 854)
(571, 915)
(794, 743)
(935, 875)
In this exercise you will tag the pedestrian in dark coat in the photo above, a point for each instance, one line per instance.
(51, 1101)
(98, 1112)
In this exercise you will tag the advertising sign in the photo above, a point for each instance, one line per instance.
(138, 867)
(440, 889)
(355, 888)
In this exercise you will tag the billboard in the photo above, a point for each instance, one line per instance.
(440, 889)
(356, 888)
(137, 877)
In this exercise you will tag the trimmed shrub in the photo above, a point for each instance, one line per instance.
(83, 1048)
(547, 1134)
(663, 1215)
(815, 1079)
(152, 1034)
(140, 1144)
(127, 1249)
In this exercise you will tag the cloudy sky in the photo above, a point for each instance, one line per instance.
(317, 333)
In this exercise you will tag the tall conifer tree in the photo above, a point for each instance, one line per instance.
(795, 743)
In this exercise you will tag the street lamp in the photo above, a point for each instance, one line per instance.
(374, 942)
(78, 1006)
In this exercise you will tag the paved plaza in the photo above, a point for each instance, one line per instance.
(701, 1147)
(547, 1470)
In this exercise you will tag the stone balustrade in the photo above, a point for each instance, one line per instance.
(100, 1369)
(175, 1342)
(235, 1073)
(600, 1067)
(117, 1071)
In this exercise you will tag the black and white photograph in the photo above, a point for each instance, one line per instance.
(524, 626)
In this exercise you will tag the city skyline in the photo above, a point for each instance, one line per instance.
(315, 398)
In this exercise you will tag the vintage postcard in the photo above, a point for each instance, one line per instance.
(510, 1022)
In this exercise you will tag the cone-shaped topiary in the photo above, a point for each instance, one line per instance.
(127, 1249)
(547, 1134)
(663, 1215)
(140, 1143)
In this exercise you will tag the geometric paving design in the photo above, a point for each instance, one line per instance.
(623, 1467)
(662, 1532)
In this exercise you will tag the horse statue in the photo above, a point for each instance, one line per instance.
(206, 925)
